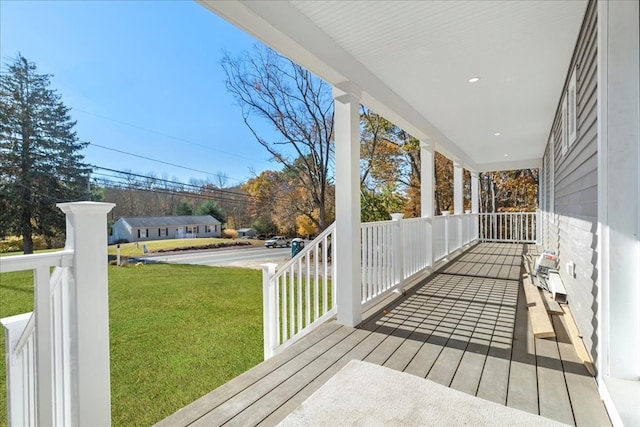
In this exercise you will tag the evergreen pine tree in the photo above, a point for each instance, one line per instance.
(40, 160)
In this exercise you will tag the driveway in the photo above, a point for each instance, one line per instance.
(247, 257)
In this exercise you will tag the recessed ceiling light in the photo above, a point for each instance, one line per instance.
(506, 155)
(497, 134)
(474, 79)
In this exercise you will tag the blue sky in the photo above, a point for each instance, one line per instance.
(142, 77)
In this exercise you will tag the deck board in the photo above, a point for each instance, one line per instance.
(466, 326)
(556, 406)
(523, 382)
(265, 385)
(581, 385)
(287, 389)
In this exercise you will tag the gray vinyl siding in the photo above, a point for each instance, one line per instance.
(576, 195)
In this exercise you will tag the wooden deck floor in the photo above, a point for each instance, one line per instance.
(465, 327)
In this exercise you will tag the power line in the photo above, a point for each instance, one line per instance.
(165, 135)
(194, 186)
(221, 193)
(109, 181)
(199, 196)
(163, 162)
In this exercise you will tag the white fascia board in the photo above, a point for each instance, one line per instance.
(283, 28)
(510, 165)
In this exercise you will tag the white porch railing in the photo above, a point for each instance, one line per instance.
(452, 232)
(516, 227)
(58, 355)
(300, 295)
(380, 245)
(416, 254)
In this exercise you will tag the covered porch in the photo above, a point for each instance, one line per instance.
(544, 101)
(465, 327)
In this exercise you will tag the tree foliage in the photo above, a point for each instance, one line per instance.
(210, 207)
(443, 191)
(509, 191)
(40, 160)
(280, 204)
(389, 169)
(299, 106)
(390, 177)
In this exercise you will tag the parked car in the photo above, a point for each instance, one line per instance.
(277, 242)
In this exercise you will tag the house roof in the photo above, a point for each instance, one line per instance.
(169, 221)
(411, 61)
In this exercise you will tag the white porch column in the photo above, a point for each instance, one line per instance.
(348, 264)
(619, 207)
(475, 197)
(458, 181)
(427, 185)
(89, 353)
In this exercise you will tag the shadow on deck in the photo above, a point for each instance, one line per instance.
(465, 327)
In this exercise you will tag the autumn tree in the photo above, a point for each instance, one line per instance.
(40, 160)
(280, 204)
(509, 191)
(443, 191)
(299, 106)
(270, 201)
(389, 169)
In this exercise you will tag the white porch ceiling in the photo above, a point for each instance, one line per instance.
(411, 60)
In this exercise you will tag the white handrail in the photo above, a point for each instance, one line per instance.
(62, 258)
(299, 295)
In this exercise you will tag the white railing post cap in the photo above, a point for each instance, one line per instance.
(269, 267)
(85, 207)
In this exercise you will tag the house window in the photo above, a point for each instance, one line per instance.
(564, 129)
(572, 109)
(198, 229)
(207, 229)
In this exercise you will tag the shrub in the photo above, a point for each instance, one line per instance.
(14, 243)
(229, 233)
(11, 244)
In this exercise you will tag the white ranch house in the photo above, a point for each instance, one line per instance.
(145, 228)
(493, 85)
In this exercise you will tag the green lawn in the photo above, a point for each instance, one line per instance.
(177, 332)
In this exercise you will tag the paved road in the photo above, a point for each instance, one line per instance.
(243, 257)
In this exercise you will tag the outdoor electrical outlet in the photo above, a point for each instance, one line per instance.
(571, 268)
